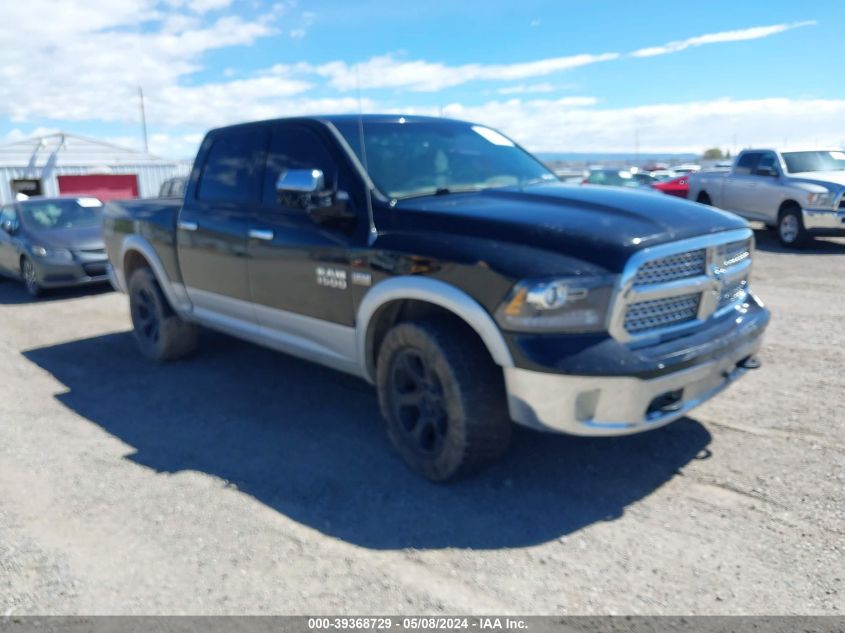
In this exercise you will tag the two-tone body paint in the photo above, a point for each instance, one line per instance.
(479, 244)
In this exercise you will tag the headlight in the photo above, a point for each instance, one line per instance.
(56, 254)
(569, 304)
(821, 199)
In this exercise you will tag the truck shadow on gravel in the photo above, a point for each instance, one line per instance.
(12, 292)
(308, 442)
(767, 240)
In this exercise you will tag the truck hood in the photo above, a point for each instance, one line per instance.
(823, 178)
(74, 238)
(600, 225)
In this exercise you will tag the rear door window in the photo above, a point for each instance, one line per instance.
(747, 163)
(233, 168)
(766, 161)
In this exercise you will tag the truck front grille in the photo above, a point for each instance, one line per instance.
(95, 269)
(732, 293)
(658, 313)
(671, 286)
(672, 268)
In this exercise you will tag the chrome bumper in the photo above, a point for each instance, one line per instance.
(824, 220)
(617, 405)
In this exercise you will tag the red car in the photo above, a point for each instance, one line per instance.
(678, 186)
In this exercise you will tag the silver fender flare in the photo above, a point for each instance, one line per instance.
(174, 292)
(431, 291)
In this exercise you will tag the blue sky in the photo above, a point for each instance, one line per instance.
(558, 76)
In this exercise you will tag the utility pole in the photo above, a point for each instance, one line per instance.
(143, 120)
(637, 147)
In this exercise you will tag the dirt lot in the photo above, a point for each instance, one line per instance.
(244, 481)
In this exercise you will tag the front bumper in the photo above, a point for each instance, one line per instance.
(824, 221)
(72, 273)
(623, 404)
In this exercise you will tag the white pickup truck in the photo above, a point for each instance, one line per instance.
(800, 193)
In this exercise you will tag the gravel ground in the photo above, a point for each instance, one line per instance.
(244, 481)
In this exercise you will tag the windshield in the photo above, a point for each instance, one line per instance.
(61, 214)
(419, 158)
(797, 162)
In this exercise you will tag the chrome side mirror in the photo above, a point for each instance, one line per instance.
(300, 181)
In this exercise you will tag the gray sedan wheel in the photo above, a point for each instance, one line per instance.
(30, 278)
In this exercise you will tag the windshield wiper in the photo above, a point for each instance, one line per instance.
(441, 191)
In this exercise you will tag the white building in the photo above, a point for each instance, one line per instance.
(65, 163)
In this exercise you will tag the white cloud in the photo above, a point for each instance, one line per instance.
(562, 125)
(203, 6)
(753, 33)
(17, 134)
(86, 61)
(526, 88)
(173, 145)
(385, 71)
(297, 34)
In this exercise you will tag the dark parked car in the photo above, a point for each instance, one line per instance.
(53, 242)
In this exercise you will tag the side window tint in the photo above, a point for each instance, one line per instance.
(296, 147)
(766, 160)
(232, 171)
(746, 164)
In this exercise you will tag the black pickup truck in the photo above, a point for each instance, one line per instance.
(445, 264)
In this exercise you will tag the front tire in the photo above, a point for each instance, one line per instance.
(791, 231)
(442, 398)
(162, 335)
(29, 276)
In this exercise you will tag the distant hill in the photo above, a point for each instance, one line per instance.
(598, 157)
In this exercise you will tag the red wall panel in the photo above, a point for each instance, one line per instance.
(103, 186)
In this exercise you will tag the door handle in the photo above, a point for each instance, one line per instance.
(261, 234)
(188, 226)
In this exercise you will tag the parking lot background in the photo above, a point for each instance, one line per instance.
(246, 481)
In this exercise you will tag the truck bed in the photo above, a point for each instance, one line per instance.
(151, 219)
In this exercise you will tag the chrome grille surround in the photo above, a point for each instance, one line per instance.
(732, 293)
(658, 293)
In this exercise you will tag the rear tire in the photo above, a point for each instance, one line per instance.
(29, 276)
(442, 398)
(703, 198)
(162, 335)
(791, 231)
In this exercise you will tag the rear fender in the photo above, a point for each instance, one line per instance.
(173, 291)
